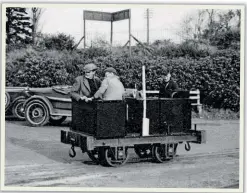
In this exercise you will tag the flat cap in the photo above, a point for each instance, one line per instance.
(89, 67)
(165, 70)
(110, 69)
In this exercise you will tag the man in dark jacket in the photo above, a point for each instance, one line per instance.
(167, 88)
(167, 85)
(85, 86)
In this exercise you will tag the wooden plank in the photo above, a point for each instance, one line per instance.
(152, 91)
(194, 92)
(120, 15)
(194, 97)
(97, 15)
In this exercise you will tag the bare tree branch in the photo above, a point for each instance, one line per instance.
(36, 14)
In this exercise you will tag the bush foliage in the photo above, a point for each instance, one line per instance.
(216, 75)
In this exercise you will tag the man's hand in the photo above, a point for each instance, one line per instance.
(88, 99)
(83, 98)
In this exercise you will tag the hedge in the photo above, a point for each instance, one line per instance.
(217, 76)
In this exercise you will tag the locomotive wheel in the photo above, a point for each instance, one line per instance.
(161, 152)
(57, 120)
(7, 101)
(93, 155)
(143, 151)
(107, 157)
(36, 113)
(18, 109)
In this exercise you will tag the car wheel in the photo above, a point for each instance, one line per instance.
(18, 109)
(57, 120)
(7, 101)
(37, 113)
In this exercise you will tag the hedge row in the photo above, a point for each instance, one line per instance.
(217, 76)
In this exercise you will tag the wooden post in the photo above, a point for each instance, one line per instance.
(84, 33)
(111, 33)
(130, 33)
(199, 105)
(145, 120)
(144, 92)
(148, 26)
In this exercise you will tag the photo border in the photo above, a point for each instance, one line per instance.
(121, 189)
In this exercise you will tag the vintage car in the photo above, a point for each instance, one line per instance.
(43, 105)
(14, 100)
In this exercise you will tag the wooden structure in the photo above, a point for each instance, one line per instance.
(105, 130)
(108, 17)
(194, 95)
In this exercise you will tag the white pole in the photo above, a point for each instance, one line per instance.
(145, 121)
(144, 92)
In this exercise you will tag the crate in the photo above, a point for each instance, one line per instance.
(99, 119)
(166, 116)
(116, 119)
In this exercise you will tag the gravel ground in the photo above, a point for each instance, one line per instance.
(35, 157)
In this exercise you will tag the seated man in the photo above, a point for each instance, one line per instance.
(167, 85)
(111, 87)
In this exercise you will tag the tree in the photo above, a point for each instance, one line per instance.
(36, 14)
(221, 32)
(199, 24)
(186, 28)
(18, 26)
(238, 13)
(225, 19)
(59, 41)
(192, 26)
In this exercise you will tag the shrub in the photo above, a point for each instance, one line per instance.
(217, 76)
(58, 41)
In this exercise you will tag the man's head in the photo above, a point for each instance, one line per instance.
(167, 76)
(90, 70)
(110, 72)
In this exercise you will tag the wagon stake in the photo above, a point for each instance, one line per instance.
(187, 147)
(72, 152)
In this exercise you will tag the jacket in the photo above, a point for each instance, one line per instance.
(81, 87)
(166, 89)
(110, 89)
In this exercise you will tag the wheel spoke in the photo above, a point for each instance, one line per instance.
(36, 113)
(18, 109)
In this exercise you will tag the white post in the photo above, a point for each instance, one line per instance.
(145, 121)
(144, 92)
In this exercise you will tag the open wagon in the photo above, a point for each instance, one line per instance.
(106, 130)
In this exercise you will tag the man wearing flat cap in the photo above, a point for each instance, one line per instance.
(111, 87)
(167, 85)
(86, 85)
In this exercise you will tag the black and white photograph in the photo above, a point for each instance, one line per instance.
(122, 97)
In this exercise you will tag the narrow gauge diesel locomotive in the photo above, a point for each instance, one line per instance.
(110, 128)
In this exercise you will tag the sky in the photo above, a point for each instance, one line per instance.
(164, 23)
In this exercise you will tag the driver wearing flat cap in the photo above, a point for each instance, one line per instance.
(85, 86)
